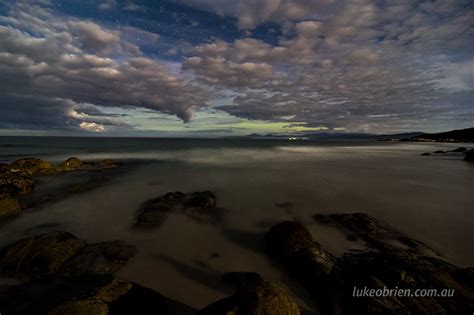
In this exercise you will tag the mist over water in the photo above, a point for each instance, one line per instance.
(428, 198)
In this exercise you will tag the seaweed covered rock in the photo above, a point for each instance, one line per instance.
(61, 253)
(262, 298)
(29, 166)
(88, 295)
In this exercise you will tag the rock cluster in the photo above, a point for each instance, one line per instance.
(61, 253)
(17, 178)
(331, 280)
(469, 154)
(69, 276)
(199, 206)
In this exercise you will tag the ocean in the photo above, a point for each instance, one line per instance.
(429, 198)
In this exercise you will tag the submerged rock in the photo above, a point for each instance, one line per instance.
(331, 280)
(459, 150)
(425, 154)
(61, 253)
(263, 298)
(440, 151)
(199, 206)
(469, 156)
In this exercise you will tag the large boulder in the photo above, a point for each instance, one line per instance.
(29, 166)
(285, 238)
(469, 156)
(263, 298)
(62, 253)
(38, 256)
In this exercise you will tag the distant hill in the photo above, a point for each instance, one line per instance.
(462, 135)
(333, 136)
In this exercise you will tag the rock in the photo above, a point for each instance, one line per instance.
(99, 294)
(9, 205)
(38, 256)
(71, 164)
(199, 206)
(101, 258)
(426, 154)
(242, 279)
(81, 307)
(62, 253)
(284, 205)
(154, 212)
(286, 238)
(440, 151)
(386, 263)
(15, 184)
(469, 156)
(107, 163)
(203, 199)
(264, 298)
(360, 225)
(460, 150)
(29, 166)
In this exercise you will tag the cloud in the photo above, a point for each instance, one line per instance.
(84, 63)
(93, 37)
(108, 5)
(350, 69)
(255, 12)
(93, 127)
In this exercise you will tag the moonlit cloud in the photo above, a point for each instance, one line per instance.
(289, 66)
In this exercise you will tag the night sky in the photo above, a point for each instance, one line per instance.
(217, 68)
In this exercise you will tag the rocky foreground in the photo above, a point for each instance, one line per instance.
(18, 178)
(65, 275)
(62, 274)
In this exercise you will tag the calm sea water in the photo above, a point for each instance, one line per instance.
(428, 198)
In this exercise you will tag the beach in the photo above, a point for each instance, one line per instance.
(257, 183)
